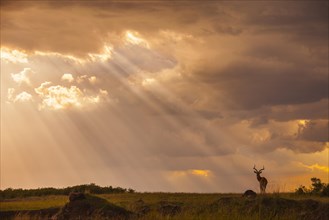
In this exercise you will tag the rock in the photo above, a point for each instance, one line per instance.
(88, 207)
(140, 207)
(74, 196)
(169, 209)
(249, 194)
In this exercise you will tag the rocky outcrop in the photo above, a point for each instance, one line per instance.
(74, 196)
(249, 194)
(82, 206)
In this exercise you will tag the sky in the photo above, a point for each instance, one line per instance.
(179, 96)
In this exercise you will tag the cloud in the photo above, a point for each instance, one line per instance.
(67, 77)
(201, 173)
(133, 58)
(23, 76)
(254, 84)
(61, 97)
(23, 97)
(313, 130)
(10, 94)
(65, 57)
(311, 111)
(92, 79)
(82, 78)
(316, 166)
(204, 173)
(69, 29)
(14, 56)
(103, 56)
(133, 38)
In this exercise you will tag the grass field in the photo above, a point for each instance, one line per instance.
(189, 205)
(33, 203)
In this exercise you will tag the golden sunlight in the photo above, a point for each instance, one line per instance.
(65, 56)
(303, 122)
(316, 166)
(134, 38)
(204, 173)
(61, 97)
(194, 172)
(148, 81)
(105, 55)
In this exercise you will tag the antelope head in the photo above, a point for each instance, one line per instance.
(258, 171)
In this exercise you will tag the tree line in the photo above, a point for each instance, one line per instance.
(92, 188)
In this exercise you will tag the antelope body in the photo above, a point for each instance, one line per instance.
(262, 180)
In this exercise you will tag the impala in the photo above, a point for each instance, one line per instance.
(262, 180)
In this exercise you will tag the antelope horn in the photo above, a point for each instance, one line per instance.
(262, 168)
(255, 168)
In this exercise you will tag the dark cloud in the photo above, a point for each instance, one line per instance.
(65, 21)
(250, 85)
(314, 131)
(261, 120)
(228, 30)
(313, 111)
(270, 14)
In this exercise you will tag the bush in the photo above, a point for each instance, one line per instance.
(325, 190)
(317, 188)
(301, 190)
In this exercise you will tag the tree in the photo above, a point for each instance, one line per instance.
(301, 190)
(325, 190)
(317, 186)
(131, 190)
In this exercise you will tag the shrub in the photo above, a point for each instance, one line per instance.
(317, 186)
(301, 190)
(325, 190)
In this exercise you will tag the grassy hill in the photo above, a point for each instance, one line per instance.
(168, 206)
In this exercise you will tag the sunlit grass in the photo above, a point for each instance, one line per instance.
(33, 203)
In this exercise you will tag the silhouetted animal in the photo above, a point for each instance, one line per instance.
(262, 180)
